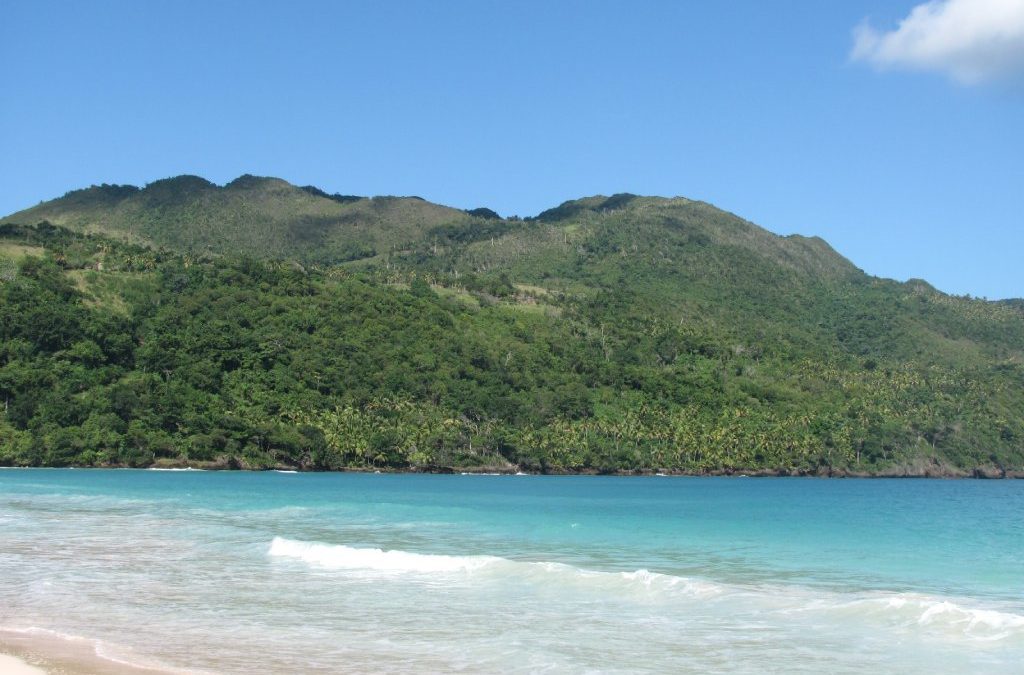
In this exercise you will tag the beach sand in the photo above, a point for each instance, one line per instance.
(42, 653)
(10, 665)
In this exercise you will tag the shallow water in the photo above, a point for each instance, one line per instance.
(237, 572)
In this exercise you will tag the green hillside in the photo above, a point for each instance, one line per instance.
(262, 324)
(262, 217)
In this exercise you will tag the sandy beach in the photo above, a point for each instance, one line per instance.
(15, 666)
(40, 652)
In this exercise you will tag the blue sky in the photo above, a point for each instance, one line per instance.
(906, 154)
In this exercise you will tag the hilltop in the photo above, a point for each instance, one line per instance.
(263, 217)
(262, 324)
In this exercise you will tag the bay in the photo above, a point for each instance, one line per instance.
(236, 572)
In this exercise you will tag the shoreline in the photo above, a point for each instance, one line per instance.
(923, 473)
(43, 652)
(12, 665)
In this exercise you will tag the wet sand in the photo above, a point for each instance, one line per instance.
(41, 653)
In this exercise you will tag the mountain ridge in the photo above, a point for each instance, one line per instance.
(279, 219)
(94, 209)
(262, 216)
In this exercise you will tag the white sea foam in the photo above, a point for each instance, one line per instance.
(912, 613)
(340, 557)
(186, 468)
(974, 622)
(907, 611)
(347, 557)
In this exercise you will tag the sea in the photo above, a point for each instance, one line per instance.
(277, 572)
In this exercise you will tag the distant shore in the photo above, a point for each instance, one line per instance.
(917, 471)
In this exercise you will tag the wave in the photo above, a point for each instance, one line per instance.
(186, 468)
(346, 557)
(911, 612)
(340, 557)
(942, 614)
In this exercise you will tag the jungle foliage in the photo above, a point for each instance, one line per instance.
(611, 334)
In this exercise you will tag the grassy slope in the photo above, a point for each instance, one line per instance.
(681, 262)
(264, 217)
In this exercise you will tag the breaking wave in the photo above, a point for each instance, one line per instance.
(347, 557)
(903, 611)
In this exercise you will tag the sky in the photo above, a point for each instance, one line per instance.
(893, 129)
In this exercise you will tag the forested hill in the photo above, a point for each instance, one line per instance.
(262, 324)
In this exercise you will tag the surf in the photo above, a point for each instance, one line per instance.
(912, 612)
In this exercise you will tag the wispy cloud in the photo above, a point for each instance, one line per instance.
(972, 41)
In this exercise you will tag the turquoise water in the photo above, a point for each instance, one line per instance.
(237, 572)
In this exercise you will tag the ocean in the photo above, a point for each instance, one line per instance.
(239, 572)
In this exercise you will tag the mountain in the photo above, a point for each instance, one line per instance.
(264, 217)
(263, 324)
(270, 218)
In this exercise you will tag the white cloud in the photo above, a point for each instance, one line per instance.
(972, 41)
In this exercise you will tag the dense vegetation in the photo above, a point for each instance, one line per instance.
(609, 334)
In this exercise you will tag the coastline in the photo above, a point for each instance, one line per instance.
(43, 652)
(917, 471)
